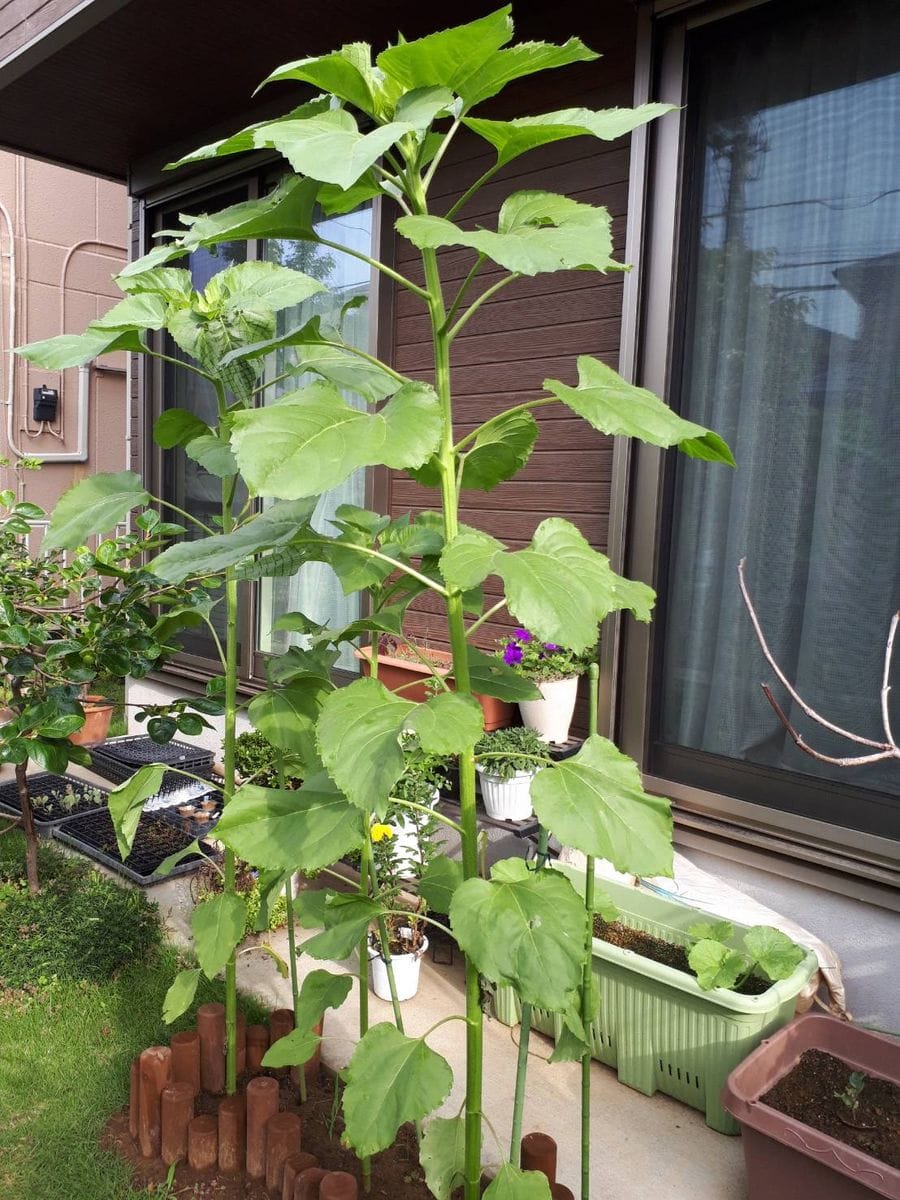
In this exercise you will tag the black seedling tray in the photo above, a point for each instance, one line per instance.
(155, 840)
(49, 785)
(120, 758)
(190, 826)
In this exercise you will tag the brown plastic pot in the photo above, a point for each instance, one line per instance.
(397, 672)
(787, 1160)
(98, 713)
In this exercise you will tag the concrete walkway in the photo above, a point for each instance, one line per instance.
(644, 1148)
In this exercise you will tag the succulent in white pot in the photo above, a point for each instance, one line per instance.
(507, 760)
(555, 671)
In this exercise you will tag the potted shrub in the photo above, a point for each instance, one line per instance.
(555, 670)
(412, 843)
(66, 620)
(98, 713)
(688, 1036)
(817, 1103)
(398, 942)
(508, 760)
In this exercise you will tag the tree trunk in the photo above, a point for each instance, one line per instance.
(31, 856)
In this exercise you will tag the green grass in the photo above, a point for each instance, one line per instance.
(65, 1054)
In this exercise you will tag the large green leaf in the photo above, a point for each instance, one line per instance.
(208, 556)
(292, 1050)
(514, 62)
(279, 829)
(320, 990)
(512, 138)
(346, 370)
(95, 505)
(76, 349)
(442, 1155)
(180, 995)
(537, 232)
(342, 73)
(468, 559)
(614, 406)
(213, 454)
(286, 212)
(439, 881)
(524, 928)
(287, 717)
(447, 723)
(391, 1079)
(329, 147)
(561, 588)
(142, 311)
(502, 447)
(715, 965)
(512, 1183)
(218, 925)
(346, 918)
(490, 676)
(595, 802)
(266, 285)
(450, 58)
(126, 803)
(244, 140)
(359, 740)
(174, 284)
(773, 951)
(177, 427)
(312, 439)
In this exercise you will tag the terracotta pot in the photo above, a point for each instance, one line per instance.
(786, 1159)
(98, 713)
(396, 672)
(551, 717)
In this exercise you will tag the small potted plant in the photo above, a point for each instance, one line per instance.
(555, 670)
(413, 830)
(397, 944)
(507, 762)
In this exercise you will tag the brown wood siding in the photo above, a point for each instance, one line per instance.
(534, 329)
(21, 21)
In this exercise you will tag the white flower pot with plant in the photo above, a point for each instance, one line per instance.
(508, 760)
(407, 946)
(555, 670)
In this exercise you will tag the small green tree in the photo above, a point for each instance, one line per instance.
(381, 129)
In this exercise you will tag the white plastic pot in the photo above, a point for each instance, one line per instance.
(405, 841)
(506, 799)
(551, 717)
(404, 966)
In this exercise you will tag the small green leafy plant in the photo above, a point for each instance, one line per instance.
(767, 953)
(504, 752)
(257, 760)
(850, 1096)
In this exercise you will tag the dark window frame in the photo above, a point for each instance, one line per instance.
(717, 799)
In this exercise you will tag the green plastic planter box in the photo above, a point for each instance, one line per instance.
(656, 1026)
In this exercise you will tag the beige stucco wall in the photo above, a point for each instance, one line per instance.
(69, 237)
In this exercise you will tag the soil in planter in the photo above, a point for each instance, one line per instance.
(662, 951)
(155, 840)
(396, 1174)
(807, 1093)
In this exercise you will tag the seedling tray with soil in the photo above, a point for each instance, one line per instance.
(120, 758)
(194, 817)
(155, 840)
(655, 1024)
(54, 798)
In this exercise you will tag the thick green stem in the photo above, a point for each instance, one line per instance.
(521, 1077)
(587, 971)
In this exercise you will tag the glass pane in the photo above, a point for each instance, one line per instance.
(315, 589)
(185, 482)
(792, 321)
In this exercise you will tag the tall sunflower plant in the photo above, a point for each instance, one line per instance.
(380, 128)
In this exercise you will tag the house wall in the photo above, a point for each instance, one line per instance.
(63, 235)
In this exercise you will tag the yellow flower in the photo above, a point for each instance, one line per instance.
(380, 832)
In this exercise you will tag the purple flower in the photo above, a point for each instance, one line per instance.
(512, 654)
(522, 635)
(551, 646)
